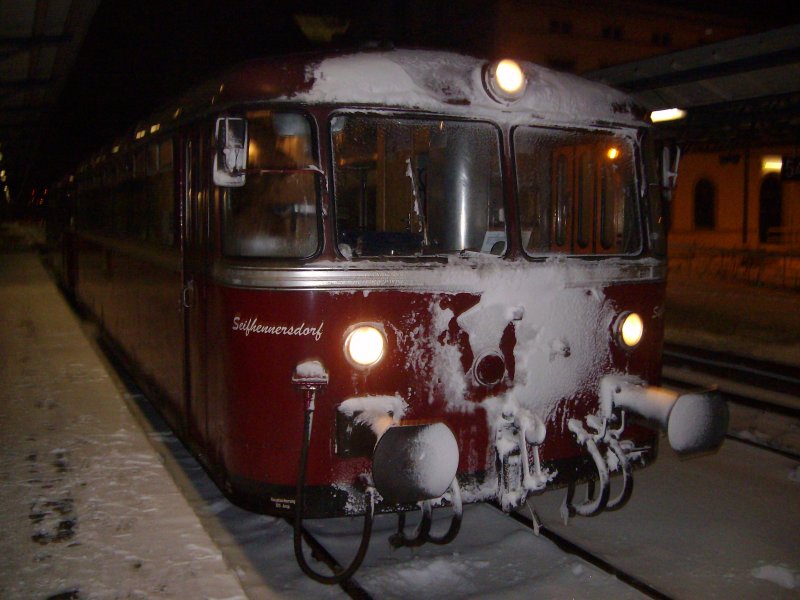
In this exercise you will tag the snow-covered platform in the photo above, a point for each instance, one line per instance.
(86, 506)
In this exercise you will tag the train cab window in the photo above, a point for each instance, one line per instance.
(576, 192)
(274, 214)
(414, 187)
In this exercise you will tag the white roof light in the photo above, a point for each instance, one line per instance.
(505, 81)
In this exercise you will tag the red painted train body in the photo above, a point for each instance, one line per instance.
(389, 242)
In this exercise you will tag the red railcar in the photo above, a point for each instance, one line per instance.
(455, 266)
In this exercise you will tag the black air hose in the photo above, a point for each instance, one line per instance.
(342, 575)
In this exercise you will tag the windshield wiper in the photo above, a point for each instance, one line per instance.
(417, 204)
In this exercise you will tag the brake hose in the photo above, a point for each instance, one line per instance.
(298, 515)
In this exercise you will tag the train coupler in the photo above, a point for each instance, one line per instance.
(518, 435)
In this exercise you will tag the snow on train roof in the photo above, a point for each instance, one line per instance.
(453, 83)
(436, 81)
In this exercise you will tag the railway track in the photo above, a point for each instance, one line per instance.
(350, 586)
(354, 589)
(579, 551)
(756, 383)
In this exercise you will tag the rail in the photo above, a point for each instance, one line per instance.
(763, 384)
(570, 547)
(350, 585)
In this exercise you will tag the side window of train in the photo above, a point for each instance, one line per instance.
(272, 210)
(412, 187)
(576, 192)
(128, 195)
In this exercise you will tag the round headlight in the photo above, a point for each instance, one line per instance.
(364, 345)
(631, 329)
(505, 80)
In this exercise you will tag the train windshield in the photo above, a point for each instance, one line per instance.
(414, 187)
(577, 192)
(274, 214)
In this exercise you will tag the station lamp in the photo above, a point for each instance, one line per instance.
(668, 114)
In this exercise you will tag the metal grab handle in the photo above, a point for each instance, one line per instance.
(422, 534)
(591, 507)
(627, 477)
(187, 295)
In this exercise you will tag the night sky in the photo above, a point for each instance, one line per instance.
(139, 54)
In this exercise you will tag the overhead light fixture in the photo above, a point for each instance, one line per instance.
(668, 114)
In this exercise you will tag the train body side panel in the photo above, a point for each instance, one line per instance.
(135, 296)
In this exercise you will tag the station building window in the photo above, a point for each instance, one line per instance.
(705, 193)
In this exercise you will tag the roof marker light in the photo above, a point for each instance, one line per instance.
(505, 81)
(668, 114)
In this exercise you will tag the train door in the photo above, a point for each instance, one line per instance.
(575, 182)
(563, 187)
(195, 260)
(585, 187)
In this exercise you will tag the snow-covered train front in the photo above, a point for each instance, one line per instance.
(406, 279)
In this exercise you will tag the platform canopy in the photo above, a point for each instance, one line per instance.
(39, 42)
(744, 91)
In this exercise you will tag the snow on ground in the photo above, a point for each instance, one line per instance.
(87, 508)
